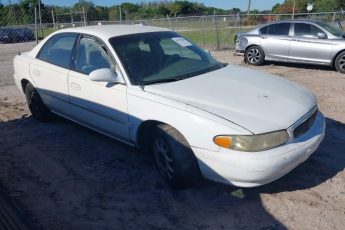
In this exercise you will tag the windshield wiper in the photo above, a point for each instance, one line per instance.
(183, 76)
(162, 80)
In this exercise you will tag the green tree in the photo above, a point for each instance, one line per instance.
(114, 13)
(174, 9)
(328, 5)
(83, 4)
(235, 10)
(275, 8)
(301, 5)
(129, 10)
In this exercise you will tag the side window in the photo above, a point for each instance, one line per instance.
(264, 30)
(58, 50)
(90, 56)
(306, 30)
(279, 29)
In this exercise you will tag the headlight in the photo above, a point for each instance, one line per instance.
(252, 143)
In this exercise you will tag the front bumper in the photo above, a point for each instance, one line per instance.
(250, 169)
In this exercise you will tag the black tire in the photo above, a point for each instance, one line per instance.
(37, 108)
(254, 55)
(173, 157)
(340, 63)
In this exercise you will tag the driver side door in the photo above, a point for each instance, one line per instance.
(307, 47)
(98, 105)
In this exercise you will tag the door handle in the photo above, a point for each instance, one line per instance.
(36, 73)
(75, 86)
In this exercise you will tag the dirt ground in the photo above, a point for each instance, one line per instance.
(64, 176)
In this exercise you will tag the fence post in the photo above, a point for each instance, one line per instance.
(120, 14)
(53, 20)
(216, 26)
(84, 16)
(203, 31)
(36, 32)
(238, 22)
(172, 28)
(40, 16)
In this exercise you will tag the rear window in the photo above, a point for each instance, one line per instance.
(281, 29)
(58, 50)
(264, 30)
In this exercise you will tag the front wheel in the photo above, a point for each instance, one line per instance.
(173, 157)
(340, 62)
(254, 55)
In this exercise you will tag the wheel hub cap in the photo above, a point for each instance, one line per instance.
(342, 63)
(254, 55)
(163, 158)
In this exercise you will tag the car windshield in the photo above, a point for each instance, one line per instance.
(158, 57)
(331, 28)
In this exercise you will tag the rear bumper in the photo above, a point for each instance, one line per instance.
(246, 169)
(238, 53)
(17, 82)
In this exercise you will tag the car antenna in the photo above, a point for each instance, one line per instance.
(19, 53)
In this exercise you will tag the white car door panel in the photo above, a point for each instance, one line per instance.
(101, 105)
(51, 83)
(50, 69)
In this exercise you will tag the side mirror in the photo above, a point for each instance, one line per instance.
(322, 35)
(207, 51)
(105, 75)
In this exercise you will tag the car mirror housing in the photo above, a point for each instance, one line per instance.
(207, 51)
(105, 75)
(322, 35)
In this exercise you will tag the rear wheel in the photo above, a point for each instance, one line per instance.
(173, 157)
(254, 55)
(340, 62)
(37, 108)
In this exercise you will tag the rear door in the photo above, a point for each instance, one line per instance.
(276, 41)
(50, 68)
(306, 47)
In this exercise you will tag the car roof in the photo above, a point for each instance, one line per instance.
(109, 31)
(293, 20)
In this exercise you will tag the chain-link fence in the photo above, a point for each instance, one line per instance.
(211, 32)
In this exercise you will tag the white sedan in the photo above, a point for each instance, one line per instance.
(155, 90)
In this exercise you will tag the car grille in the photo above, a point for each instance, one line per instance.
(305, 125)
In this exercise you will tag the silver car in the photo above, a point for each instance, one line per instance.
(297, 41)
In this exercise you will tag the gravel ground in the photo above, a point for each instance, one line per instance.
(64, 176)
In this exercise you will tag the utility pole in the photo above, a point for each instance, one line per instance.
(293, 9)
(249, 3)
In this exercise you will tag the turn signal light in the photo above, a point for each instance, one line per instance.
(223, 141)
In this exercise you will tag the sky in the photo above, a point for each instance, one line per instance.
(223, 4)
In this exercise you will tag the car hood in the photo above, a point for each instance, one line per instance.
(254, 100)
